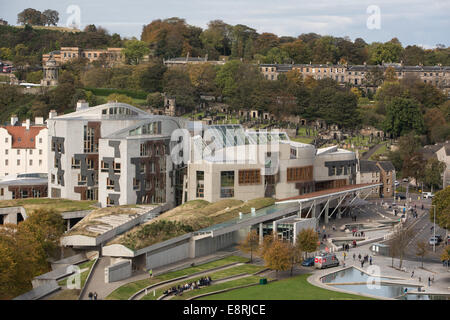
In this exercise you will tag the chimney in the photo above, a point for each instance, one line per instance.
(52, 114)
(39, 121)
(26, 124)
(14, 119)
(82, 105)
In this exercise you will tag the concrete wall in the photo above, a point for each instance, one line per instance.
(118, 271)
(10, 214)
(210, 245)
(166, 256)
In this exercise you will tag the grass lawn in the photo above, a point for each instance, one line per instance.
(214, 276)
(65, 294)
(381, 151)
(296, 288)
(59, 205)
(84, 274)
(127, 290)
(220, 286)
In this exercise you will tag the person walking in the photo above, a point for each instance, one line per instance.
(359, 256)
(354, 256)
(150, 273)
(429, 281)
(370, 260)
(362, 263)
(95, 295)
(412, 274)
(90, 295)
(345, 254)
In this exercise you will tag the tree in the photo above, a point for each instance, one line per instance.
(278, 256)
(433, 173)
(296, 254)
(155, 100)
(30, 16)
(402, 116)
(51, 17)
(421, 250)
(399, 242)
(308, 240)
(374, 77)
(250, 244)
(176, 84)
(445, 256)
(134, 51)
(442, 202)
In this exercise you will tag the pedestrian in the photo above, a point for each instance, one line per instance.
(359, 256)
(95, 295)
(429, 281)
(90, 295)
(422, 206)
(370, 260)
(150, 272)
(420, 280)
(412, 274)
(345, 255)
(362, 263)
(354, 256)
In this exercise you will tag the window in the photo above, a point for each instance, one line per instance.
(136, 184)
(18, 162)
(81, 179)
(90, 164)
(6, 162)
(53, 178)
(40, 151)
(248, 177)
(31, 162)
(105, 166)
(2, 193)
(76, 164)
(31, 151)
(40, 163)
(6, 151)
(200, 192)
(116, 167)
(40, 140)
(227, 184)
(18, 151)
(109, 184)
(6, 140)
(89, 144)
(299, 174)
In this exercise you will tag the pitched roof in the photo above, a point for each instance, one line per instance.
(23, 138)
(368, 166)
(386, 165)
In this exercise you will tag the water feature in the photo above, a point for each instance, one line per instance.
(348, 275)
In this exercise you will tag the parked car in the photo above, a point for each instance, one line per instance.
(435, 240)
(309, 262)
(396, 183)
(428, 195)
(401, 196)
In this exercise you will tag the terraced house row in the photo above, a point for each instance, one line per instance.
(356, 74)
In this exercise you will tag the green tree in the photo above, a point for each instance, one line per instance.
(402, 116)
(134, 51)
(176, 83)
(120, 98)
(51, 17)
(155, 100)
(433, 173)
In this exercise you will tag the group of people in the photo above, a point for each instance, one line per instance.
(345, 247)
(92, 295)
(362, 259)
(357, 233)
(178, 290)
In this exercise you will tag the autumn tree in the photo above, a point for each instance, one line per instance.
(250, 244)
(421, 250)
(445, 256)
(308, 240)
(296, 254)
(278, 255)
(442, 202)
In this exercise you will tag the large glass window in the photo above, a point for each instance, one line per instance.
(249, 177)
(89, 145)
(227, 184)
(200, 193)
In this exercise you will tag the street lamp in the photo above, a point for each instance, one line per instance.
(434, 228)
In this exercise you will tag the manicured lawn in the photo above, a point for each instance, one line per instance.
(303, 140)
(59, 205)
(296, 288)
(127, 290)
(220, 286)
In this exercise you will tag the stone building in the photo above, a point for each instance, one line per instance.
(111, 55)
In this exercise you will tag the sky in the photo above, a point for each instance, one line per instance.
(421, 22)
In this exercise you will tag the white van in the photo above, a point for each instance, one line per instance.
(325, 260)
